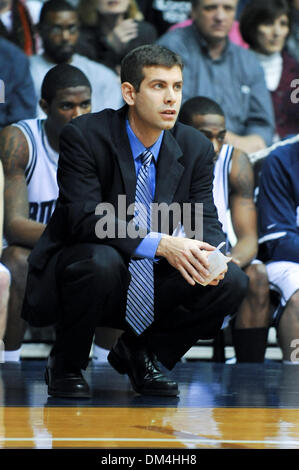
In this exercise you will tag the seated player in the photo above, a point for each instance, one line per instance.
(233, 190)
(29, 151)
(278, 209)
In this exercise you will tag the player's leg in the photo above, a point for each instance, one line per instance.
(250, 326)
(15, 259)
(5, 279)
(288, 329)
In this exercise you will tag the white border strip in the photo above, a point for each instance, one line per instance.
(202, 441)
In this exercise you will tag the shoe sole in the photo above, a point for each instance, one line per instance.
(118, 366)
(55, 393)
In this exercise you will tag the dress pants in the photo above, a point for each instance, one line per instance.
(93, 280)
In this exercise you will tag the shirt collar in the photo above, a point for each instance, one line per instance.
(204, 45)
(137, 147)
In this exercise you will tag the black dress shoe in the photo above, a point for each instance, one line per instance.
(142, 369)
(65, 382)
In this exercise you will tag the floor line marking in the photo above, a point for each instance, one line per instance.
(128, 439)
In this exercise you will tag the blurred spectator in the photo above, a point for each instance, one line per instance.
(265, 26)
(16, 25)
(293, 39)
(234, 34)
(240, 7)
(233, 194)
(109, 30)
(168, 13)
(59, 29)
(34, 7)
(17, 87)
(278, 221)
(30, 151)
(165, 13)
(229, 74)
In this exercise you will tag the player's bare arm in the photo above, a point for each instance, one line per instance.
(247, 143)
(18, 228)
(243, 211)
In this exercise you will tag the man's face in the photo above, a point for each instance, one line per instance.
(214, 18)
(60, 32)
(68, 104)
(213, 126)
(156, 105)
(106, 7)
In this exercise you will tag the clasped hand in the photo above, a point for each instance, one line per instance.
(189, 257)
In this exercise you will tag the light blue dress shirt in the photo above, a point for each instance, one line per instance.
(148, 246)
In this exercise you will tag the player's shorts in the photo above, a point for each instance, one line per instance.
(284, 279)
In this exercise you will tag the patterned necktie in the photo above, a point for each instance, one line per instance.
(140, 299)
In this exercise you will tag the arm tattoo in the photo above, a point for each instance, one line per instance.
(14, 155)
(13, 150)
(242, 178)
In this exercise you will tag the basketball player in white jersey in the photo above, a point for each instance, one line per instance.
(29, 151)
(233, 191)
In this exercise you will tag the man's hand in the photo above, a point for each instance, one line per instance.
(217, 279)
(122, 34)
(189, 257)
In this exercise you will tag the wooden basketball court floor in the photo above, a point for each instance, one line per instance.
(221, 406)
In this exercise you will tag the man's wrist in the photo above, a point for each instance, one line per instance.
(162, 245)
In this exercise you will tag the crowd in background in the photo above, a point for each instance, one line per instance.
(254, 76)
(105, 31)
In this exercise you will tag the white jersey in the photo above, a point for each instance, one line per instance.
(41, 170)
(221, 184)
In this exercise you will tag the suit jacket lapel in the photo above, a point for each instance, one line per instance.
(169, 169)
(124, 155)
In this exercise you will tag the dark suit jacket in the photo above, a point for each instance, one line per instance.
(96, 166)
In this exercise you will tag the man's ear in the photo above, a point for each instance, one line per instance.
(128, 92)
(44, 105)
